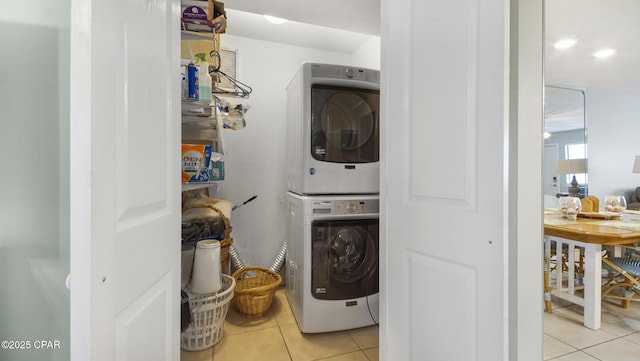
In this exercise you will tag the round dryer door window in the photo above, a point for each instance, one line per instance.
(344, 127)
(347, 121)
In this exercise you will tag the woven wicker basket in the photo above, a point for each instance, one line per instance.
(225, 244)
(226, 240)
(255, 288)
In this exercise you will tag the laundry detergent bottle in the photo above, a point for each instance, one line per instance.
(204, 82)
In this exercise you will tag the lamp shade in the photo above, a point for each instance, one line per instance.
(572, 166)
(636, 164)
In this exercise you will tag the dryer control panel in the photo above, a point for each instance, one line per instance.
(345, 206)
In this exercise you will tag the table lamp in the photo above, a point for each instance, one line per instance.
(636, 164)
(574, 166)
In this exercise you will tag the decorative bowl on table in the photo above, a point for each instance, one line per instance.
(617, 204)
(570, 207)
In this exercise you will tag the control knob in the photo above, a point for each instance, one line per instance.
(350, 72)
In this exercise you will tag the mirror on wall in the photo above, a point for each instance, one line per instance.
(565, 144)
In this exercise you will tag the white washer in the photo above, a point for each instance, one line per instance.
(332, 261)
(333, 130)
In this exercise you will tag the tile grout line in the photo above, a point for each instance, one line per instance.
(280, 329)
(285, 342)
(574, 352)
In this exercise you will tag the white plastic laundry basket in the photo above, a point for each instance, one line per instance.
(209, 311)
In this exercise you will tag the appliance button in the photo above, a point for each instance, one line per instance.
(350, 73)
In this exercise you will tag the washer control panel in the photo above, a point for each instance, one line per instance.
(345, 206)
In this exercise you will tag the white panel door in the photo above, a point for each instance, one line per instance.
(125, 204)
(445, 94)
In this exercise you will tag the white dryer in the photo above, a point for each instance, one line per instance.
(332, 261)
(333, 130)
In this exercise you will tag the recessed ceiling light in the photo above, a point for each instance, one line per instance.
(565, 43)
(275, 20)
(604, 53)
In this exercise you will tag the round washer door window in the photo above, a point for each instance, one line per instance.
(351, 254)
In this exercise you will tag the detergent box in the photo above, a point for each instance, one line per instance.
(217, 170)
(204, 15)
(196, 163)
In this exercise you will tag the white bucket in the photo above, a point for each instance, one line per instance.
(206, 267)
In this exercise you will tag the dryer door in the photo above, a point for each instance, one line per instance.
(344, 260)
(344, 124)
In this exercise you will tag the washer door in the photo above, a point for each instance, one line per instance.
(344, 261)
(344, 124)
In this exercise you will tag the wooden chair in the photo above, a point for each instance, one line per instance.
(627, 277)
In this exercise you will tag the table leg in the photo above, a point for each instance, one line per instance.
(547, 289)
(547, 285)
(592, 284)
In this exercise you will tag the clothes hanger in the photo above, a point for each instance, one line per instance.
(239, 89)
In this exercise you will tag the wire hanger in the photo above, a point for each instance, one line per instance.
(240, 89)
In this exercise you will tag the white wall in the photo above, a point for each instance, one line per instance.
(613, 127)
(34, 188)
(255, 163)
(368, 56)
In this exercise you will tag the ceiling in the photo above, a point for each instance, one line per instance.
(344, 25)
(255, 26)
(332, 25)
(596, 24)
(360, 16)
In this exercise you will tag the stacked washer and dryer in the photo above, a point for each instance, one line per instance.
(333, 129)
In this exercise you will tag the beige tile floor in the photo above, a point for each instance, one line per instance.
(566, 338)
(276, 337)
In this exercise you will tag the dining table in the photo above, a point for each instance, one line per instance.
(573, 249)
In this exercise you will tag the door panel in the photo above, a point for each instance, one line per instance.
(426, 274)
(125, 164)
(141, 317)
(444, 119)
(443, 102)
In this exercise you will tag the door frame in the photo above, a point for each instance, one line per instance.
(524, 205)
